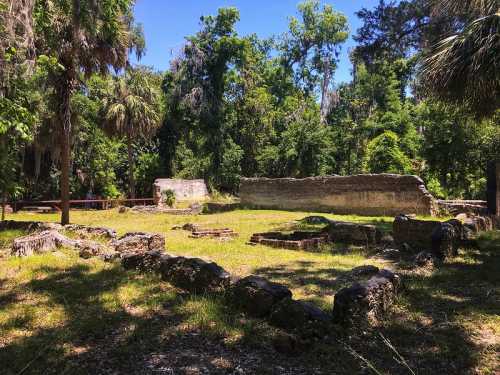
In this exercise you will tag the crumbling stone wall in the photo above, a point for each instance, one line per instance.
(365, 194)
(183, 189)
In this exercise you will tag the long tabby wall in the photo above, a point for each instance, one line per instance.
(364, 194)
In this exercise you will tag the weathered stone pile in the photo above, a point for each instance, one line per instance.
(45, 237)
(134, 242)
(455, 207)
(84, 231)
(441, 239)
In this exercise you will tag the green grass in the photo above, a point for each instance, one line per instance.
(62, 314)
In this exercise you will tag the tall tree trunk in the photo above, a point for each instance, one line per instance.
(64, 182)
(65, 117)
(324, 106)
(130, 167)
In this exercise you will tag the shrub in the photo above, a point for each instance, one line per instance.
(168, 197)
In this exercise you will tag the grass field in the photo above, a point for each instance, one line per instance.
(62, 314)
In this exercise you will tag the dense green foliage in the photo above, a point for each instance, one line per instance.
(235, 105)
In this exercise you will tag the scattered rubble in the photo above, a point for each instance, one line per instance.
(424, 259)
(84, 231)
(139, 242)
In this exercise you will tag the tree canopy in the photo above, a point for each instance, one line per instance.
(77, 118)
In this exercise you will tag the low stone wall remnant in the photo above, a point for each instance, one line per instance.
(364, 194)
(298, 240)
(455, 207)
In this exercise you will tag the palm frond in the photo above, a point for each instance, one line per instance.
(465, 68)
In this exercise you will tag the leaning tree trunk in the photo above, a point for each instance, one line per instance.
(130, 167)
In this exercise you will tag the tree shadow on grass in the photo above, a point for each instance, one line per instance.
(300, 273)
(438, 329)
(100, 334)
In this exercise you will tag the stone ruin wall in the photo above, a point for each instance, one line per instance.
(183, 189)
(365, 194)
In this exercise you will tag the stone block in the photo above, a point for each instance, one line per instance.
(353, 233)
(194, 274)
(149, 261)
(257, 295)
(291, 314)
(366, 303)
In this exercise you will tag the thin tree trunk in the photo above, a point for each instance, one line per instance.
(4, 202)
(65, 167)
(65, 115)
(324, 91)
(130, 167)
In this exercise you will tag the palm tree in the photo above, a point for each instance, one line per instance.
(464, 68)
(133, 111)
(84, 37)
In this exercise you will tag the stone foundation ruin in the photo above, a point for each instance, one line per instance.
(298, 240)
(365, 194)
(217, 233)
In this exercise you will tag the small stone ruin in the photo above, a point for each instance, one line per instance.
(197, 231)
(442, 239)
(334, 231)
(297, 240)
(354, 233)
(224, 232)
(139, 242)
(46, 237)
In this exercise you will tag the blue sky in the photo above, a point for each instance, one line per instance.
(167, 22)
